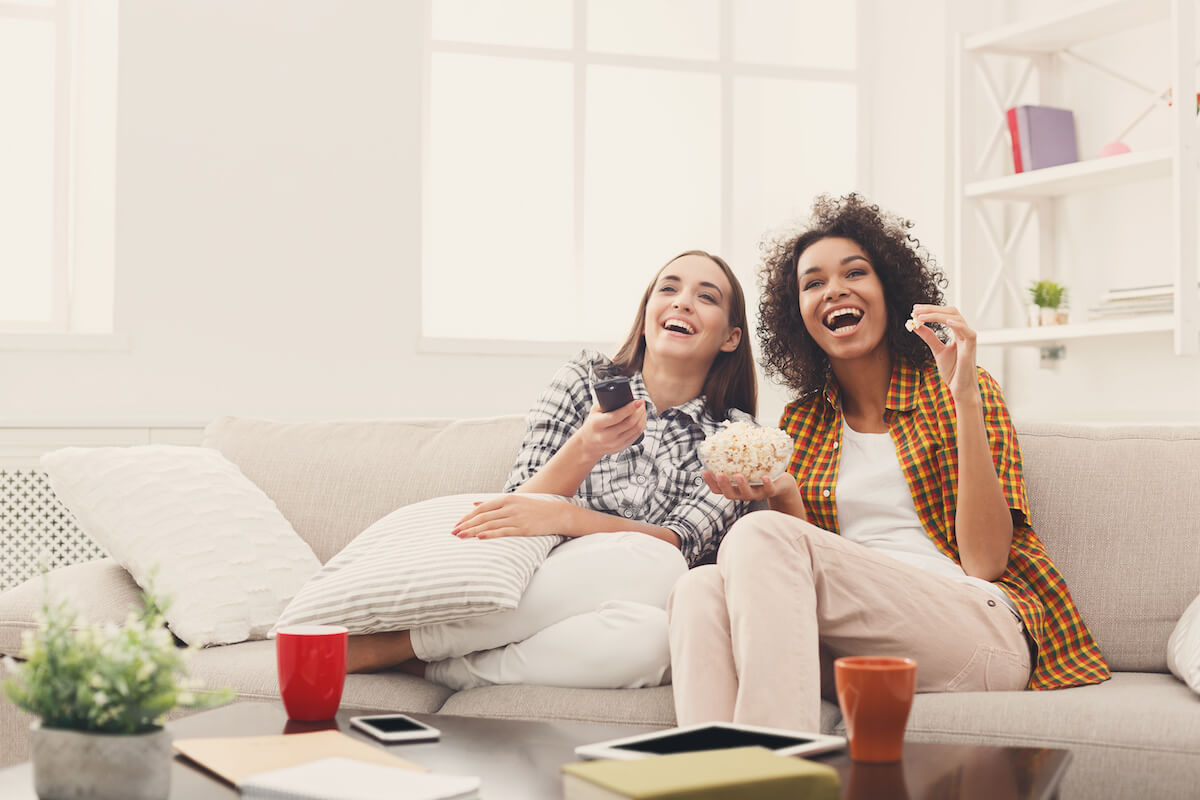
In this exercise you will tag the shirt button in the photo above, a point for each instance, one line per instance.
(627, 513)
(825, 493)
(640, 479)
(992, 603)
(698, 481)
(835, 445)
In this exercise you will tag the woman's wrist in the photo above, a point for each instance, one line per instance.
(969, 399)
(568, 518)
(577, 450)
(788, 500)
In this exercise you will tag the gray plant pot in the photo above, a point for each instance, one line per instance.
(74, 765)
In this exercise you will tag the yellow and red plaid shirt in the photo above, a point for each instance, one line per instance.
(920, 414)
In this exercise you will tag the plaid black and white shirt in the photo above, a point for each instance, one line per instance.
(655, 480)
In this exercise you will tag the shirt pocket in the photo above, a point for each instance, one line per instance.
(676, 485)
(597, 491)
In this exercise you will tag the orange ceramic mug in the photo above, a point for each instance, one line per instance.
(875, 694)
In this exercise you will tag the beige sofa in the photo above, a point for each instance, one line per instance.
(1118, 508)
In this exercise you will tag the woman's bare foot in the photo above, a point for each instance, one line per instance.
(372, 652)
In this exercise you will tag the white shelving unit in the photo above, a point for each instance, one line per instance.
(1035, 47)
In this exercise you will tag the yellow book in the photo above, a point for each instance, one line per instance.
(739, 773)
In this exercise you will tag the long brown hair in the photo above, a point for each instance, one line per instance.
(731, 382)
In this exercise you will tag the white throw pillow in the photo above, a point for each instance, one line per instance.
(408, 569)
(1183, 648)
(216, 547)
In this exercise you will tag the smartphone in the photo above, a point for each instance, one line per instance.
(613, 393)
(395, 728)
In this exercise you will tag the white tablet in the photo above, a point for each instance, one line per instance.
(711, 736)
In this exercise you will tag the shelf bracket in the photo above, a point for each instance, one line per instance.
(1052, 354)
(1001, 106)
(1002, 253)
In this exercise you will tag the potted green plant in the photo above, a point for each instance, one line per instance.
(1049, 303)
(102, 693)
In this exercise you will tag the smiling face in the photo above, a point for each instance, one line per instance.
(841, 299)
(687, 313)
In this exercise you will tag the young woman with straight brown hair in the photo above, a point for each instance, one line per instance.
(637, 510)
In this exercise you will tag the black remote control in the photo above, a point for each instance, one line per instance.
(613, 393)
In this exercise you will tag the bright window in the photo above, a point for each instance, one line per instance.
(573, 146)
(58, 103)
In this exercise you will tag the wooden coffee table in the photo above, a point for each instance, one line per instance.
(520, 759)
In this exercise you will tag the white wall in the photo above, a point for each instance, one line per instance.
(267, 224)
(1133, 379)
(1113, 238)
(268, 202)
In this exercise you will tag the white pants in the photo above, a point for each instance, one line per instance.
(592, 617)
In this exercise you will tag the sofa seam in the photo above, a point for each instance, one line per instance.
(1042, 741)
(1122, 437)
(556, 717)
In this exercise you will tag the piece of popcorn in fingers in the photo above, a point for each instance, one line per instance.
(911, 325)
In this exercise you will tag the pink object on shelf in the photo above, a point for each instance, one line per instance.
(1114, 149)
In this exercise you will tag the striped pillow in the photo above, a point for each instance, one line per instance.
(407, 570)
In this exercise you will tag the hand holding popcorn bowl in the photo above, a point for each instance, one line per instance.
(742, 448)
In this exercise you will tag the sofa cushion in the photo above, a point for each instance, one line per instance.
(101, 591)
(1116, 508)
(408, 569)
(333, 479)
(249, 669)
(186, 522)
(1139, 731)
(1143, 710)
(654, 706)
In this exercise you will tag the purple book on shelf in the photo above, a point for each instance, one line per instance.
(1046, 136)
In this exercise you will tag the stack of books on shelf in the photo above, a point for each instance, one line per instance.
(1134, 302)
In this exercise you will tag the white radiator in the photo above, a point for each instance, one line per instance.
(36, 530)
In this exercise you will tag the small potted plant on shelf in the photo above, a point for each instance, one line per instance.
(1049, 303)
(102, 693)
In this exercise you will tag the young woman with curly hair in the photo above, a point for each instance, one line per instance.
(905, 448)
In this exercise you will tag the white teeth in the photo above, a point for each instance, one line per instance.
(832, 315)
(678, 324)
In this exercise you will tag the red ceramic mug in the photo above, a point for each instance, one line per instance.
(312, 669)
(875, 694)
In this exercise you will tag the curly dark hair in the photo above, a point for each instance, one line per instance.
(906, 269)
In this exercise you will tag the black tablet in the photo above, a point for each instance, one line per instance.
(711, 736)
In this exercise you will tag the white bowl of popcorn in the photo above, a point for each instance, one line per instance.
(747, 449)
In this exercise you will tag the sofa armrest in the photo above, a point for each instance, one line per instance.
(101, 591)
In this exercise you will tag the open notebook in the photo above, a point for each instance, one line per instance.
(324, 765)
(346, 779)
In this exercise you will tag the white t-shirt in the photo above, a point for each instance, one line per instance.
(875, 509)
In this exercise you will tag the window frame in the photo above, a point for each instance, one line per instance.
(60, 14)
(580, 58)
(82, 242)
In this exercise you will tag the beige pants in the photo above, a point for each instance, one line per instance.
(754, 636)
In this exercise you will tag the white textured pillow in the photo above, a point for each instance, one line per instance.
(216, 546)
(408, 569)
(1183, 648)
